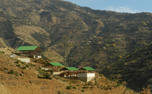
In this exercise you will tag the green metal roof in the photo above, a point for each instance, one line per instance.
(26, 48)
(71, 68)
(88, 68)
(55, 64)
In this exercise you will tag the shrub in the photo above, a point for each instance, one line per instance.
(89, 83)
(39, 77)
(2, 52)
(59, 92)
(17, 61)
(32, 65)
(64, 80)
(47, 76)
(23, 67)
(11, 72)
(51, 72)
(85, 87)
(18, 65)
(69, 87)
(109, 87)
(118, 84)
(23, 62)
(74, 87)
(82, 90)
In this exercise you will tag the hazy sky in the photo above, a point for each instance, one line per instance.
(130, 6)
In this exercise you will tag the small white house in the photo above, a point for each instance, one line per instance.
(86, 77)
(87, 74)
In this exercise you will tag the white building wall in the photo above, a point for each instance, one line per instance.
(86, 76)
(46, 69)
(57, 73)
(27, 60)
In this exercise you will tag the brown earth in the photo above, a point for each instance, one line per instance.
(26, 81)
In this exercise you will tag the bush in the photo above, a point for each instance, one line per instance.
(47, 76)
(18, 65)
(59, 92)
(118, 84)
(69, 87)
(23, 62)
(23, 67)
(40, 77)
(82, 90)
(11, 72)
(89, 83)
(2, 51)
(74, 87)
(51, 72)
(32, 65)
(17, 61)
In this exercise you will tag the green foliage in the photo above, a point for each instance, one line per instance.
(22, 62)
(2, 51)
(74, 87)
(59, 92)
(51, 72)
(118, 84)
(32, 65)
(23, 67)
(85, 87)
(82, 90)
(11, 72)
(43, 74)
(73, 62)
(107, 88)
(69, 87)
(40, 38)
(17, 61)
(47, 76)
(18, 65)
(89, 83)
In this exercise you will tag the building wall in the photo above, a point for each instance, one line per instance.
(27, 60)
(57, 73)
(86, 77)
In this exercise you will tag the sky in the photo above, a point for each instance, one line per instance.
(126, 6)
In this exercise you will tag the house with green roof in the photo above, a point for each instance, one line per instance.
(69, 72)
(70, 68)
(87, 68)
(32, 51)
(55, 64)
(28, 48)
(85, 74)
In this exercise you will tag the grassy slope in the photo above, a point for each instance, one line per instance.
(25, 81)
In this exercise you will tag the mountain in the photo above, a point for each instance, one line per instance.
(135, 68)
(16, 75)
(73, 35)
